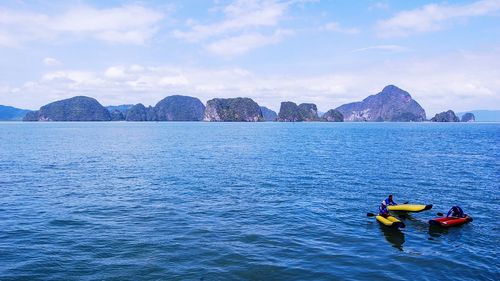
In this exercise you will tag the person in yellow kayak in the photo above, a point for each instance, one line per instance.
(383, 211)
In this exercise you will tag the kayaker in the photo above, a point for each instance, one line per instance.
(383, 206)
(382, 210)
(455, 212)
(388, 201)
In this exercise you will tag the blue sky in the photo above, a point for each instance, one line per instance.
(445, 53)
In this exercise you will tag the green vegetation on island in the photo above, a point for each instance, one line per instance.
(392, 104)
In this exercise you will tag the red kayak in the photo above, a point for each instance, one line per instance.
(450, 221)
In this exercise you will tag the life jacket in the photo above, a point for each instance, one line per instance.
(455, 211)
(382, 209)
(387, 202)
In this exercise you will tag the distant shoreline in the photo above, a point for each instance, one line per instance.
(392, 104)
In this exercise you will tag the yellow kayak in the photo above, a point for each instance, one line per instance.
(390, 221)
(409, 208)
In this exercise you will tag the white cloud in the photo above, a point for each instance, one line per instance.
(71, 77)
(131, 24)
(239, 15)
(136, 68)
(6, 40)
(51, 61)
(336, 27)
(115, 72)
(387, 48)
(459, 81)
(433, 17)
(173, 80)
(242, 28)
(241, 44)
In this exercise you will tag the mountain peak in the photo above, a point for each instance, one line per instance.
(391, 89)
(392, 104)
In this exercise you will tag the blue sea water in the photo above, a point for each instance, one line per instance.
(245, 201)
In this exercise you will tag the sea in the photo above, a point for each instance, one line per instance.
(245, 201)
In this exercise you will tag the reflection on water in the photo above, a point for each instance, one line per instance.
(437, 231)
(418, 224)
(452, 234)
(394, 236)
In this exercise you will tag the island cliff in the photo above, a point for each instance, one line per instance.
(268, 114)
(116, 115)
(139, 112)
(333, 115)
(446, 116)
(308, 112)
(392, 104)
(232, 110)
(291, 112)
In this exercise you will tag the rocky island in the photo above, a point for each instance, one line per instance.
(78, 108)
(289, 112)
(392, 104)
(179, 108)
(116, 115)
(333, 115)
(268, 114)
(140, 113)
(232, 110)
(468, 117)
(447, 116)
(308, 112)
(9, 113)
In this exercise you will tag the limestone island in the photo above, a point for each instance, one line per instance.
(392, 104)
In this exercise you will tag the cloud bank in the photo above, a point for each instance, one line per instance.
(459, 81)
(245, 25)
(129, 24)
(433, 17)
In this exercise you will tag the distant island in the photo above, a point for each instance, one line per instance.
(392, 104)
(483, 115)
(9, 113)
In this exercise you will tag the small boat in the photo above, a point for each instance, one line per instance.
(450, 221)
(390, 221)
(409, 208)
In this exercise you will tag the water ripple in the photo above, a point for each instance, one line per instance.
(233, 201)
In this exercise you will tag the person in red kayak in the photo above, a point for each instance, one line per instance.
(383, 211)
(455, 212)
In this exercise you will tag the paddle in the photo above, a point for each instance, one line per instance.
(405, 203)
(439, 214)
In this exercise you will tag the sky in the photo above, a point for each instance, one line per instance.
(446, 54)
